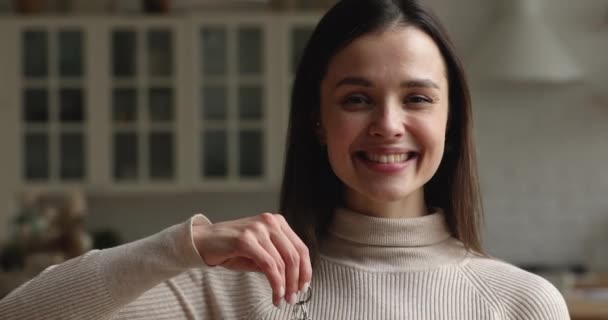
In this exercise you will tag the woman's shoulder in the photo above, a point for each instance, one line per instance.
(514, 291)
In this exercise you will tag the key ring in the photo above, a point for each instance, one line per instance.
(309, 292)
(300, 311)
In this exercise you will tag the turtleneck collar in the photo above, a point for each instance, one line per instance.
(390, 232)
(391, 243)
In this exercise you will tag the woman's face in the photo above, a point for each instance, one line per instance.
(384, 109)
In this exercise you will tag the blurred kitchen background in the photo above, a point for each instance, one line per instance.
(121, 118)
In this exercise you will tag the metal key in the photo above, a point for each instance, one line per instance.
(300, 311)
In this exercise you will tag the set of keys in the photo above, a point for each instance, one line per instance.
(300, 311)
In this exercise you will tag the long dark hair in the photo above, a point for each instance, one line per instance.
(311, 191)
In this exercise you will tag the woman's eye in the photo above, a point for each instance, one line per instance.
(418, 99)
(355, 100)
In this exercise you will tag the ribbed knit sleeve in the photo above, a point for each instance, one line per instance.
(217, 293)
(515, 293)
(97, 284)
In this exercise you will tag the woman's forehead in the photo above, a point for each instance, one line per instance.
(402, 52)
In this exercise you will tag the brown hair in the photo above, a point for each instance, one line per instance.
(311, 191)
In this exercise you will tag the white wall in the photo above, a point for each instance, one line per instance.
(542, 163)
(543, 150)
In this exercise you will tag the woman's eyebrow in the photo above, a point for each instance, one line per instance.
(354, 81)
(420, 83)
(363, 82)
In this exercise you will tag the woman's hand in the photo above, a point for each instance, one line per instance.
(263, 243)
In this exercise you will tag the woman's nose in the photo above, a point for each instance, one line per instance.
(387, 121)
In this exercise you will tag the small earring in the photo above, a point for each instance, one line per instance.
(317, 124)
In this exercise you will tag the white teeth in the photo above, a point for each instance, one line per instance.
(387, 158)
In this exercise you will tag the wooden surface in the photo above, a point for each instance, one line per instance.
(588, 300)
(588, 310)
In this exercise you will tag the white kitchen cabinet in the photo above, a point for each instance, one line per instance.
(130, 104)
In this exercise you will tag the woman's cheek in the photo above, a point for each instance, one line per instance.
(431, 139)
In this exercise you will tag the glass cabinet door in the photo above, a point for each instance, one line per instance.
(53, 105)
(143, 104)
(233, 101)
(192, 101)
(251, 102)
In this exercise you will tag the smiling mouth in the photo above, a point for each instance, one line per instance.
(388, 158)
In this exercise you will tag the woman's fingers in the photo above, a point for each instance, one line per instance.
(305, 267)
(294, 254)
(268, 265)
(290, 258)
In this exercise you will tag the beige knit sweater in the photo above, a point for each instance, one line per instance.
(371, 268)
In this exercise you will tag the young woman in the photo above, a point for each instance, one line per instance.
(379, 207)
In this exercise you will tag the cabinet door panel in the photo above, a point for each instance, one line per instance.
(250, 50)
(35, 106)
(161, 104)
(251, 103)
(215, 153)
(36, 156)
(125, 156)
(124, 53)
(72, 156)
(35, 51)
(251, 156)
(160, 53)
(70, 53)
(71, 105)
(214, 51)
(124, 105)
(161, 156)
(215, 102)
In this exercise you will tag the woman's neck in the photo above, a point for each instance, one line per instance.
(409, 207)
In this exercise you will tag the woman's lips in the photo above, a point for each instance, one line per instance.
(387, 162)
